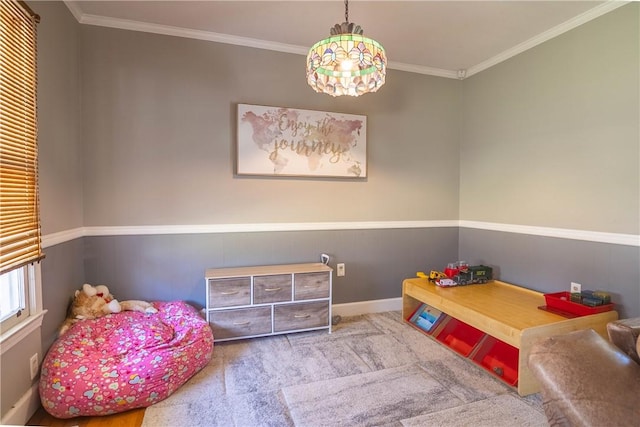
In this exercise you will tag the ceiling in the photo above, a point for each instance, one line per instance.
(447, 38)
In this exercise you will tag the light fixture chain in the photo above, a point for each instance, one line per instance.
(346, 11)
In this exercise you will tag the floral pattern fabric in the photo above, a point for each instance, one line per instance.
(123, 361)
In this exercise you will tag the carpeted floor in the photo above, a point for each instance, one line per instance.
(373, 370)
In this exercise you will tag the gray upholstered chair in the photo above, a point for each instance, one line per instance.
(586, 380)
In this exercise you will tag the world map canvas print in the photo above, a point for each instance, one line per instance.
(280, 141)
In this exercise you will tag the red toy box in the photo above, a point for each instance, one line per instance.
(561, 301)
(459, 336)
(499, 358)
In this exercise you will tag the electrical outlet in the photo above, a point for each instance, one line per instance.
(576, 288)
(340, 269)
(33, 365)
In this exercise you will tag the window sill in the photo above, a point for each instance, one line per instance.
(14, 335)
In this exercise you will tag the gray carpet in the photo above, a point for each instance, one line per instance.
(373, 370)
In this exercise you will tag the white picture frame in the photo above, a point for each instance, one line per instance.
(281, 141)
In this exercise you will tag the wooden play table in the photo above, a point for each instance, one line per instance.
(503, 311)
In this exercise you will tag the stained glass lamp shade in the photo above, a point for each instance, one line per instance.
(346, 63)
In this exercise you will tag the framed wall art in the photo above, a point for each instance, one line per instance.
(280, 141)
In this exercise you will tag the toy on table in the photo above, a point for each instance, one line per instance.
(591, 298)
(474, 274)
(459, 273)
(436, 275)
(433, 275)
(445, 283)
(454, 268)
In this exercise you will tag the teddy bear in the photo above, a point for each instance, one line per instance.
(96, 301)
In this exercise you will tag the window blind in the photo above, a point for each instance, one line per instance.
(20, 239)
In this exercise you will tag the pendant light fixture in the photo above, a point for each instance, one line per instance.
(346, 63)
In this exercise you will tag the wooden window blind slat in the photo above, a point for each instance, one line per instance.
(12, 101)
(20, 236)
(13, 139)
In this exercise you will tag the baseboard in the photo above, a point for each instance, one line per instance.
(364, 307)
(24, 408)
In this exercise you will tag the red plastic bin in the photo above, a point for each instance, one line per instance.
(562, 301)
(499, 358)
(459, 336)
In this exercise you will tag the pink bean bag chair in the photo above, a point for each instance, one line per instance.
(124, 361)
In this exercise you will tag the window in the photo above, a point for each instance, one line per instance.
(26, 291)
(14, 295)
(20, 238)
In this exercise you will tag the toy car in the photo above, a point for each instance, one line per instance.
(446, 283)
(435, 275)
(474, 274)
(453, 268)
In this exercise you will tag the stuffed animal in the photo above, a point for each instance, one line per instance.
(95, 301)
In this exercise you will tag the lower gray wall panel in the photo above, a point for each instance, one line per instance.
(14, 365)
(62, 273)
(549, 264)
(172, 267)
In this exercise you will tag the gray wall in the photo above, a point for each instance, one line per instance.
(551, 138)
(171, 267)
(15, 374)
(60, 180)
(62, 273)
(59, 142)
(549, 264)
(159, 130)
(159, 135)
(60, 157)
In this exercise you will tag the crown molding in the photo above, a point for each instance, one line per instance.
(74, 9)
(581, 19)
(421, 69)
(125, 24)
(167, 30)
